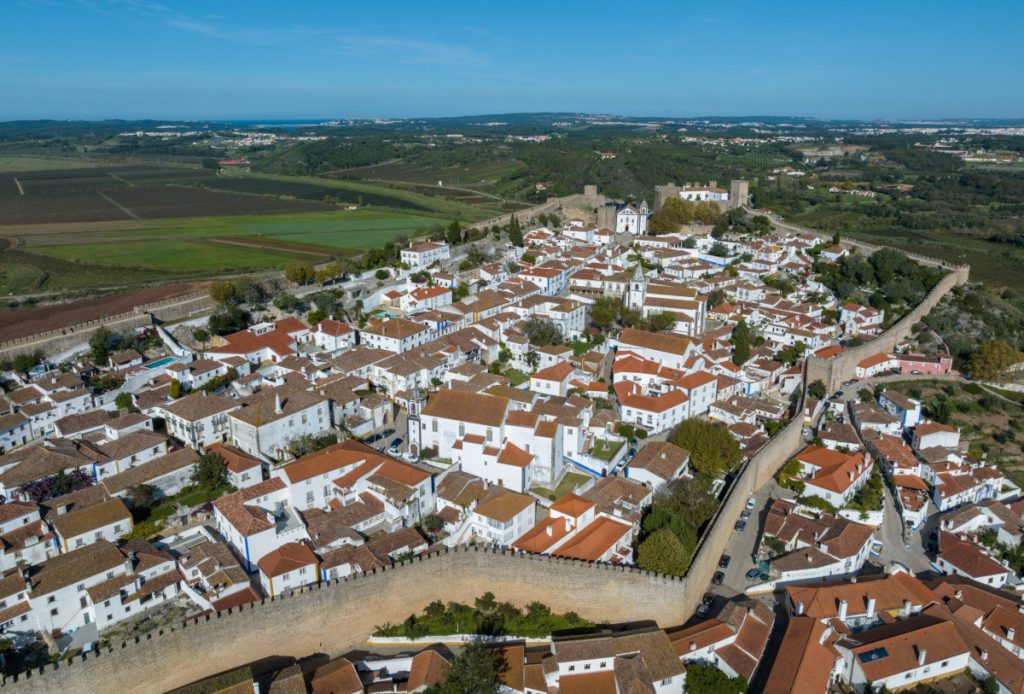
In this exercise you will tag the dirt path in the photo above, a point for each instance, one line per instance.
(273, 247)
(20, 189)
(122, 180)
(118, 205)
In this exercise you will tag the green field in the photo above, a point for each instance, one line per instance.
(25, 163)
(74, 256)
(173, 255)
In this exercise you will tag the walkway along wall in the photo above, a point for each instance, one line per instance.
(337, 617)
(842, 367)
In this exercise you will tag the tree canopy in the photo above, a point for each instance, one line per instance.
(991, 361)
(663, 552)
(712, 448)
(542, 332)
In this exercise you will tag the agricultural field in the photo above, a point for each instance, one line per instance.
(65, 225)
(109, 254)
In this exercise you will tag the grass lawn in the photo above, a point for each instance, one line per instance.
(579, 347)
(165, 254)
(192, 497)
(605, 450)
(516, 377)
(570, 482)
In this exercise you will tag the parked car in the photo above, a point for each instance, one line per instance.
(708, 599)
(702, 610)
(396, 444)
(753, 574)
(741, 525)
(723, 563)
(751, 503)
(746, 514)
(372, 439)
(387, 432)
(718, 578)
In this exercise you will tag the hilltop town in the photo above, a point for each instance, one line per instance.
(591, 384)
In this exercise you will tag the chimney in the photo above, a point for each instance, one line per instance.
(809, 559)
(1010, 633)
(277, 403)
(922, 653)
(549, 531)
(799, 606)
(958, 594)
(871, 607)
(693, 646)
(842, 610)
(983, 653)
(906, 608)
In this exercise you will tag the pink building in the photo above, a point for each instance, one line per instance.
(925, 364)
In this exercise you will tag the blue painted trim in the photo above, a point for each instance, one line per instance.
(248, 562)
(582, 466)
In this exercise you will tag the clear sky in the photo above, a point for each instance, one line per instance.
(314, 59)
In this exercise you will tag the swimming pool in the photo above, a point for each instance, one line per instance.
(159, 362)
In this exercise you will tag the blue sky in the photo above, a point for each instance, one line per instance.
(340, 58)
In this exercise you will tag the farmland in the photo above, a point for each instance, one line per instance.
(69, 226)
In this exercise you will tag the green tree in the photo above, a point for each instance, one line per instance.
(817, 389)
(604, 312)
(542, 332)
(142, 497)
(224, 293)
(286, 302)
(300, 274)
(742, 337)
(124, 401)
(209, 471)
(991, 361)
(433, 523)
(175, 389)
(99, 344)
(200, 335)
(515, 231)
(663, 552)
(454, 233)
(475, 669)
(460, 292)
(532, 360)
(712, 448)
(382, 274)
(705, 679)
(660, 322)
(23, 363)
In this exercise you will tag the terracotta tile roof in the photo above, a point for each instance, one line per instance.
(246, 519)
(426, 670)
(237, 460)
(595, 540)
(660, 342)
(81, 521)
(556, 372)
(503, 504)
(660, 458)
(151, 470)
(200, 405)
(968, 557)
(336, 677)
(476, 408)
(513, 455)
(903, 642)
(287, 557)
(821, 600)
(572, 505)
(75, 566)
(805, 659)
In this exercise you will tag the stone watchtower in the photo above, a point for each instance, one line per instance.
(663, 193)
(739, 194)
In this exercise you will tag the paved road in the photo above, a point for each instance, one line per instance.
(743, 543)
(906, 548)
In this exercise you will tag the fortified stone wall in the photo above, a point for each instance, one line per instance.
(56, 341)
(337, 617)
(833, 372)
(752, 475)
